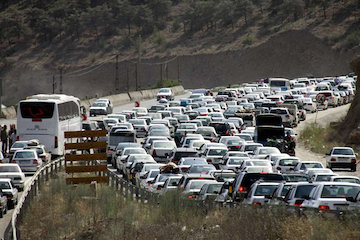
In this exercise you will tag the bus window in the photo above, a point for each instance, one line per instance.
(37, 110)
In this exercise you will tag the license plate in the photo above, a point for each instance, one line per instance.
(343, 159)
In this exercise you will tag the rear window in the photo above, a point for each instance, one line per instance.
(168, 145)
(349, 180)
(194, 161)
(303, 191)
(214, 188)
(18, 145)
(343, 152)
(24, 155)
(9, 169)
(217, 152)
(263, 190)
(179, 155)
(250, 178)
(4, 185)
(37, 110)
(336, 191)
(288, 162)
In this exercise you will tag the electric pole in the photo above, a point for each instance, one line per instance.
(53, 84)
(117, 73)
(138, 64)
(61, 83)
(1, 95)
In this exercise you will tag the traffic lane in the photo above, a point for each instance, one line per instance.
(4, 222)
(323, 118)
(146, 103)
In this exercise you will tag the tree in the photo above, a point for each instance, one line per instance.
(143, 19)
(260, 4)
(160, 8)
(244, 8)
(294, 7)
(225, 12)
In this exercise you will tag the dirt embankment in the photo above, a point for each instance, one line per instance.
(289, 54)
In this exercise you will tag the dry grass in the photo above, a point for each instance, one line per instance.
(64, 212)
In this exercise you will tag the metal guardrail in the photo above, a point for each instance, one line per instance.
(30, 191)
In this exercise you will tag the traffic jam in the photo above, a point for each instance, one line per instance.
(234, 146)
(226, 145)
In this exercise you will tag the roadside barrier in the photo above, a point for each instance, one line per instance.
(30, 191)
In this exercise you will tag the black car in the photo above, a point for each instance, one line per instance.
(221, 128)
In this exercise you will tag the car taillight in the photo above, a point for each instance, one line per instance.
(209, 160)
(154, 153)
(109, 150)
(227, 132)
(182, 188)
(257, 203)
(278, 168)
(237, 146)
(229, 148)
(353, 160)
(278, 103)
(287, 116)
(332, 97)
(17, 138)
(56, 142)
(242, 189)
(13, 161)
(264, 173)
(9, 195)
(158, 188)
(333, 160)
(297, 205)
(324, 207)
(149, 184)
(190, 197)
(35, 161)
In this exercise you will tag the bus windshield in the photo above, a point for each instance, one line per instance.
(37, 110)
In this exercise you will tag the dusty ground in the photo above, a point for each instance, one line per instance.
(323, 118)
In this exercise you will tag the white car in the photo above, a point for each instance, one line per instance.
(309, 105)
(147, 167)
(125, 153)
(350, 179)
(331, 196)
(263, 152)
(10, 191)
(28, 160)
(301, 167)
(285, 164)
(255, 163)
(233, 163)
(13, 171)
(165, 93)
(146, 180)
(160, 150)
(170, 184)
(214, 155)
(341, 157)
(259, 192)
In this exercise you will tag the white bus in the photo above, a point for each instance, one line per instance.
(279, 83)
(46, 117)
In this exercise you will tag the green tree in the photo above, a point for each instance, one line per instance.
(244, 8)
(225, 12)
(143, 19)
(160, 8)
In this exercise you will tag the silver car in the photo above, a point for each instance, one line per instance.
(28, 160)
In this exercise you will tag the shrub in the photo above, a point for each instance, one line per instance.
(248, 40)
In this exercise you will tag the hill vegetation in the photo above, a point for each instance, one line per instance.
(45, 33)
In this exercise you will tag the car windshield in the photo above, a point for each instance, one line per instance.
(4, 185)
(151, 166)
(174, 181)
(349, 180)
(246, 137)
(217, 152)
(343, 151)
(98, 104)
(9, 169)
(260, 163)
(164, 91)
(139, 158)
(296, 178)
(278, 111)
(214, 188)
(194, 161)
(167, 145)
(204, 169)
(162, 178)
(263, 190)
(137, 121)
(24, 155)
(338, 191)
(303, 191)
(288, 162)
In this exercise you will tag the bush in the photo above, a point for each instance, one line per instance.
(248, 40)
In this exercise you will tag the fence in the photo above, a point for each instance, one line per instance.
(30, 191)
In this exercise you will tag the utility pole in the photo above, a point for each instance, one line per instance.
(161, 74)
(127, 77)
(178, 70)
(1, 95)
(138, 63)
(117, 73)
(61, 83)
(53, 84)
(166, 72)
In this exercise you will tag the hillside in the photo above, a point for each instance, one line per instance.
(40, 37)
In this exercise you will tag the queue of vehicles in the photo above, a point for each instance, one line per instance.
(219, 148)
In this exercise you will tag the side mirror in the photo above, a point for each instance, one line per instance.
(327, 154)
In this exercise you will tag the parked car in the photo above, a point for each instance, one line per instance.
(3, 204)
(165, 93)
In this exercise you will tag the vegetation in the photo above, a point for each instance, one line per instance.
(76, 212)
(114, 25)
